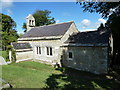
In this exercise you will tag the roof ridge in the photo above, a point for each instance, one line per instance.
(55, 24)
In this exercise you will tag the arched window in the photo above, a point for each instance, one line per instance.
(32, 22)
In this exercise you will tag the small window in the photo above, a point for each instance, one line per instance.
(70, 55)
(32, 22)
(49, 51)
(29, 22)
(38, 50)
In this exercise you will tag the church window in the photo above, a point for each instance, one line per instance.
(70, 55)
(49, 51)
(32, 22)
(29, 22)
(38, 50)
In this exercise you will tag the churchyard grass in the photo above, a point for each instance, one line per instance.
(27, 74)
(31, 74)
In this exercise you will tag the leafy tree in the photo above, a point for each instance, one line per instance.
(101, 26)
(8, 32)
(24, 27)
(110, 10)
(20, 35)
(42, 17)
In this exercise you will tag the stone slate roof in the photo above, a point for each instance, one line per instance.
(21, 46)
(91, 37)
(48, 30)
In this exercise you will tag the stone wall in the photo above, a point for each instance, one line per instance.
(43, 57)
(24, 55)
(93, 59)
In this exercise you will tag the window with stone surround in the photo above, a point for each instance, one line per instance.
(70, 55)
(49, 51)
(38, 50)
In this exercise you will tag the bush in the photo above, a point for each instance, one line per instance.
(9, 47)
(13, 55)
(5, 54)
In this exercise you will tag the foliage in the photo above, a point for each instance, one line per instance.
(42, 17)
(5, 54)
(101, 26)
(24, 27)
(20, 35)
(37, 75)
(9, 47)
(13, 55)
(8, 32)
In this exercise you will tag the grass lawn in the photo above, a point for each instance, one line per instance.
(27, 74)
(36, 75)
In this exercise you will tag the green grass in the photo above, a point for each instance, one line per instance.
(4, 54)
(27, 74)
(36, 75)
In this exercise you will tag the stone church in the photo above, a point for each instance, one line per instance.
(63, 44)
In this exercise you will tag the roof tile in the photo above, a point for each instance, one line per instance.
(48, 30)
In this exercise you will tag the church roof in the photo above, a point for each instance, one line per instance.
(91, 37)
(48, 30)
(21, 45)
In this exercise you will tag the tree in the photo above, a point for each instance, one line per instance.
(101, 26)
(24, 27)
(42, 17)
(110, 10)
(20, 35)
(8, 32)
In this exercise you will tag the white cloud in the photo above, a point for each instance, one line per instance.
(6, 3)
(102, 20)
(57, 21)
(6, 0)
(85, 23)
(84, 30)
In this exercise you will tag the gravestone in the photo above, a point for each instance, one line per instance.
(2, 61)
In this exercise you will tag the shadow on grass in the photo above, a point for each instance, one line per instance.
(71, 78)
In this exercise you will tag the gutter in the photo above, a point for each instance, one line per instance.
(76, 44)
(40, 38)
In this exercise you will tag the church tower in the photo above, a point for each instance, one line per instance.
(30, 22)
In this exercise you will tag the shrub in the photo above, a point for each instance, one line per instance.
(13, 55)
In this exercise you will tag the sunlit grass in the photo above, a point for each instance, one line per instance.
(37, 75)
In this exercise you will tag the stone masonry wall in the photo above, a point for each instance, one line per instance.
(55, 44)
(93, 59)
(25, 55)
